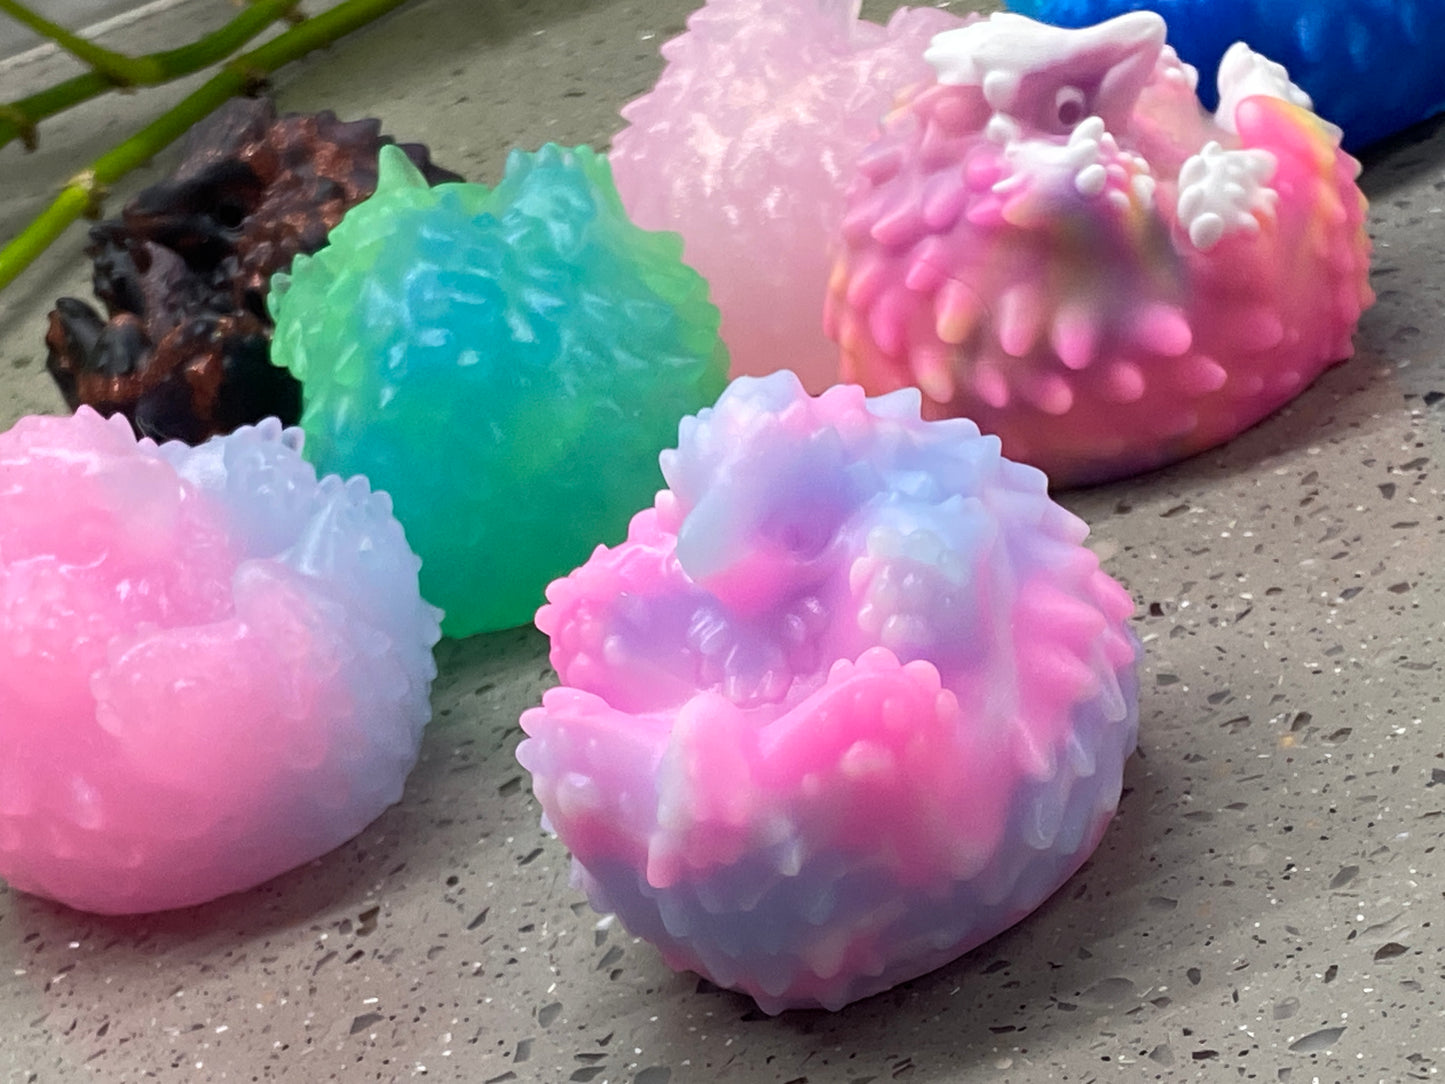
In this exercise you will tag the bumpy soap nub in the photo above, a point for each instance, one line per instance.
(1371, 66)
(851, 699)
(1055, 240)
(745, 146)
(506, 363)
(213, 667)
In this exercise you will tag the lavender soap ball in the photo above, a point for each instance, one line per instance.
(507, 363)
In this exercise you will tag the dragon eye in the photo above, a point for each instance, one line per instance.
(1070, 106)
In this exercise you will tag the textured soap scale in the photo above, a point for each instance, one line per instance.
(213, 666)
(506, 363)
(744, 147)
(850, 699)
(1371, 66)
(1055, 240)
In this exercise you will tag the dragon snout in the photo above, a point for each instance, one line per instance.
(1047, 78)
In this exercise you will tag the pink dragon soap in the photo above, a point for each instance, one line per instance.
(213, 667)
(744, 147)
(1054, 239)
(851, 698)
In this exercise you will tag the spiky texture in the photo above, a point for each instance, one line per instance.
(744, 147)
(1112, 286)
(213, 666)
(506, 363)
(850, 699)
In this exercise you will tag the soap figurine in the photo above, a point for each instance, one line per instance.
(506, 363)
(744, 147)
(1369, 65)
(1055, 240)
(213, 667)
(183, 271)
(851, 699)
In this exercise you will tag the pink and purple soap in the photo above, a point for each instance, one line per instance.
(213, 666)
(745, 146)
(1054, 239)
(852, 698)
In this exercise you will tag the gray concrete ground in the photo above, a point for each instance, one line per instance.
(1267, 906)
(76, 15)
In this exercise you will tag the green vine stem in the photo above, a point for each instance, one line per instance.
(114, 66)
(19, 118)
(85, 192)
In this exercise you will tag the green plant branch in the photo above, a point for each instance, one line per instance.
(85, 192)
(20, 118)
(113, 65)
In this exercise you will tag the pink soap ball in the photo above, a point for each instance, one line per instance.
(745, 146)
(852, 698)
(1053, 238)
(213, 666)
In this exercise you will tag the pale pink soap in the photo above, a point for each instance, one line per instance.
(851, 699)
(1054, 239)
(744, 147)
(213, 667)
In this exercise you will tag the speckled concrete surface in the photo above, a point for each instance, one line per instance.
(1267, 906)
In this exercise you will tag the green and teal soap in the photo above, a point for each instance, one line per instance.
(506, 362)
